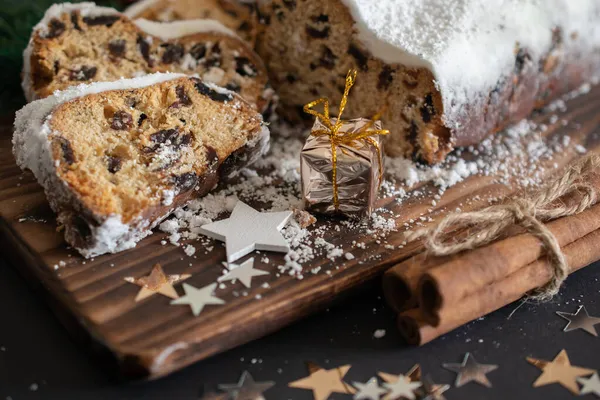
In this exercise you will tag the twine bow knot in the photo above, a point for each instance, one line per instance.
(338, 138)
(530, 213)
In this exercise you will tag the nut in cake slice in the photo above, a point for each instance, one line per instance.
(115, 158)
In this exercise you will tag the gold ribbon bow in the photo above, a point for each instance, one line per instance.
(337, 138)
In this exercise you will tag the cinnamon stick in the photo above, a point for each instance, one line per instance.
(400, 282)
(457, 278)
(420, 329)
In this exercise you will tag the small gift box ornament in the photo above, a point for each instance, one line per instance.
(342, 161)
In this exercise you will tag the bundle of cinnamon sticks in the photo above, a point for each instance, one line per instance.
(436, 294)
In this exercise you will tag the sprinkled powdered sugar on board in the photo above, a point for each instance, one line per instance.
(515, 157)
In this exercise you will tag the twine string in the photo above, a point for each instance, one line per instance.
(529, 213)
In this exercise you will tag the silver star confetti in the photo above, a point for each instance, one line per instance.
(247, 230)
(431, 390)
(197, 299)
(402, 387)
(243, 272)
(368, 391)
(580, 320)
(246, 388)
(590, 385)
(471, 371)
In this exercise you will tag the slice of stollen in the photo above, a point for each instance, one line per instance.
(83, 43)
(115, 158)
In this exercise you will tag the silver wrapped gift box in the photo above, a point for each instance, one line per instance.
(358, 171)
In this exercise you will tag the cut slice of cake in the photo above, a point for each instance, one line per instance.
(449, 72)
(77, 43)
(234, 14)
(115, 158)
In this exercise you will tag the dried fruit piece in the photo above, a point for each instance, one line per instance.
(185, 182)
(213, 94)
(244, 67)
(141, 119)
(66, 149)
(75, 21)
(233, 86)
(117, 47)
(106, 20)
(386, 77)
(83, 74)
(55, 28)
(183, 99)
(113, 164)
(121, 121)
(145, 50)
(360, 57)
(173, 53)
(427, 109)
(198, 51)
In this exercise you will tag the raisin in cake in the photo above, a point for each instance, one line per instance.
(234, 14)
(77, 43)
(115, 158)
(450, 75)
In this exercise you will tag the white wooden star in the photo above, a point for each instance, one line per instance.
(402, 387)
(590, 385)
(198, 298)
(243, 272)
(247, 230)
(368, 391)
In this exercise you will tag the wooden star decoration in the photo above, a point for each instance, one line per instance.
(246, 388)
(243, 273)
(369, 390)
(559, 371)
(247, 230)
(324, 382)
(427, 390)
(590, 385)
(471, 371)
(157, 282)
(580, 320)
(197, 299)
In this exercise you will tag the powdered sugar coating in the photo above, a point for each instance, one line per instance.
(136, 8)
(469, 45)
(176, 29)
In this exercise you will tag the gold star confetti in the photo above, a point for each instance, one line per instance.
(590, 385)
(560, 371)
(471, 371)
(323, 382)
(157, 282)
(580, 320)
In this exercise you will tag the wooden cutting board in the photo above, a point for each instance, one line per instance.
(151, 338)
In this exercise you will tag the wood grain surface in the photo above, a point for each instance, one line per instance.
(151, 338)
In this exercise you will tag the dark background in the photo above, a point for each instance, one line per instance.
(36, 349)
